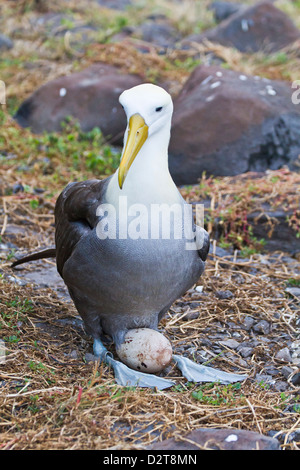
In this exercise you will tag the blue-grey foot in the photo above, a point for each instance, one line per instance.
(126, 376)
(198, 373)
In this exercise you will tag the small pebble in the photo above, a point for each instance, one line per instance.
(284, 355)
(199, 288)
(296, 379)
(262, 327)
(224, 294)
(293, 291)
(248, 322)
(286, 371)
(230, 343)
(245, 351)
(89, 357)
(18, 187)
(191, 315)
(73, 354)
(281, 386)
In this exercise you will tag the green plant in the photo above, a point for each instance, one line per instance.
(34, 203)
(46, 371)
(11, 254)
(216, 394)
(33, 407)
(11, 339)
(15, 312)
(291, 282)
(57, 153)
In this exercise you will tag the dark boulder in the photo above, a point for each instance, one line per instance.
(90, 96)
(222, 10)
(218, 439)
(115, 4)
(156, 32)
(283, 237)
(159, 32)
(261, 27)
(226, 123)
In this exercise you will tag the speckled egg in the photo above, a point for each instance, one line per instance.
(145, 350)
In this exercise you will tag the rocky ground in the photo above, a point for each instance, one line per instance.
(218, 61)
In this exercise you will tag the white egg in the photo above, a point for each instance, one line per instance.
(145, 350)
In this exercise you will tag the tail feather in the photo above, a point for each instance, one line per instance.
(49, 253)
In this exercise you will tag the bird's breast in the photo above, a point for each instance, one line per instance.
(132, 273)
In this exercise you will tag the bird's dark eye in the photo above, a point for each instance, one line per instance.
(158, 109)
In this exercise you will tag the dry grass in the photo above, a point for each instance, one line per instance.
(50, 396)
(233, 200)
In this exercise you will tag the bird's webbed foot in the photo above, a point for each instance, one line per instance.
(194, 372)
(128, 377)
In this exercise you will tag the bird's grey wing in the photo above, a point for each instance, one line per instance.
(75, 216)
(202, 242)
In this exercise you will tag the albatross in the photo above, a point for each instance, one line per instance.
(123, 265)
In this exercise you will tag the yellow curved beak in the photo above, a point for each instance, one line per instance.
(137, 135)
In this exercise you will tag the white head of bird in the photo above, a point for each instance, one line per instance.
(153, 105)
(144, 161)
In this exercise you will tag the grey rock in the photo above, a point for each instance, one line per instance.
(265, 378)
(58, 24)
(296, 379)
(293, 291)
(283, 236)
(271, 370)
(294, 436)
(218, 439)
(281, 386)
(204, 138)
(115, 4)
(90, 357)
(248, 323)
(5, 42)
(191, 315)
(17, 187)
(284, 355)
(158, 32)
(224, 294)
(230, 343)
(260, 27)
(245, 351)
(219, 251)
(90, 96)
(262, 327)
(286, 371)
(73, 354)
(222, 10)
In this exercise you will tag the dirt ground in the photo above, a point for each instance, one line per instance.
(54, 396)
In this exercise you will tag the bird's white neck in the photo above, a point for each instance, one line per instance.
(148, 180)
